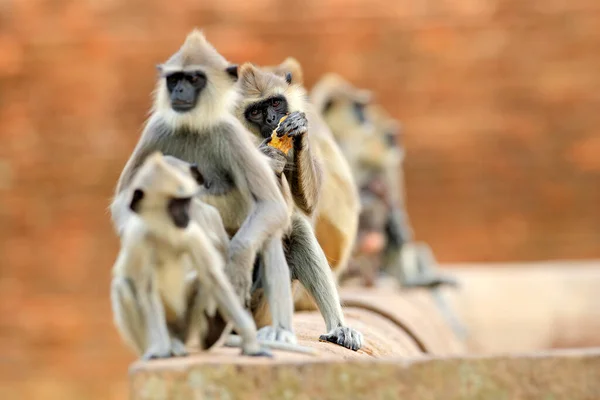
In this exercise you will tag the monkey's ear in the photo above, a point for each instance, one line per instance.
(196, 174)
(288, 78)
(232, 70)
(138, 195)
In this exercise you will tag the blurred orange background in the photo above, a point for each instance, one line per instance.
(499, 100)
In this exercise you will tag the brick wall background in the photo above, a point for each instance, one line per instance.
(499, 99)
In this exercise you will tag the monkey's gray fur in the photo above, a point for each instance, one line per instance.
(192, 120)
(168, 278)
(305, 256)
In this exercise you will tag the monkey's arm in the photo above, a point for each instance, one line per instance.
(139, 313)
(209, 265)
(262, 229)
(143, 148)
(275, 157)
(305, 174)
(252, 174)
(119, 208)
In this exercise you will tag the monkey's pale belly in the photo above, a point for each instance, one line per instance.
(233, 207)
(170, 276)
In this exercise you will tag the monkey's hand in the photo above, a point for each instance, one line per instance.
(176, 349)
(241, 281)
(294, 126)
(344, 336)
(277, 158)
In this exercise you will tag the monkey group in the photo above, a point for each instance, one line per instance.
(223, 235)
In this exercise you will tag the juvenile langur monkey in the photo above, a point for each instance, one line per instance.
(266, 98)
(335, 218)
(169, 275)
(192, 119)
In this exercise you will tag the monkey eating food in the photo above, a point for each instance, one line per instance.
(272, 107)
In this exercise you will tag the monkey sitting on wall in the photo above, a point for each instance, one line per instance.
(169, 275)
(192, 119)
(369, 138)
(335, 217)
(267, 97)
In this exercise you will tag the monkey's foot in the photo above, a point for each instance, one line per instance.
(261, 352)
(295, 125)
(178, 348)
(175, 349)
(155, 352)
(276, 334)
(344, 336)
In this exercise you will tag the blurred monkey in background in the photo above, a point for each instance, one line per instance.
(371, 141)
(274, 101)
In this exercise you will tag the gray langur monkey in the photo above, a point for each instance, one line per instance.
(168, 275)
(266, 98)
(168, 279)
(370, 138)
(192, 119)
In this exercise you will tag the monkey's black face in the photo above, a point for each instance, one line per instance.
(357, 109)
(179, 211)
(267, 113)
(390, 138)
(184, 89)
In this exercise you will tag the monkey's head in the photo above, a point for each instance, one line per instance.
(162, 190)
(342, 107)
(385, 126)
(196, 86)
(268, 94)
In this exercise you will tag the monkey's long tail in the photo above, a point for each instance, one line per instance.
(236, 341)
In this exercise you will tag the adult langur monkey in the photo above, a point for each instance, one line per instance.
(335, 214)
(268, 97)
(192, 120)
(371, 141)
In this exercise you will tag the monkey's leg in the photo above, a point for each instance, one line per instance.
(154, 314)
(181, 327)
(305, 175)
(309, 265)
(266, 219)
(128, 315)
(210, 267)
(278, 290)
(137, 307)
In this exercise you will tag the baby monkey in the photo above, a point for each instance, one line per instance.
(168, 277)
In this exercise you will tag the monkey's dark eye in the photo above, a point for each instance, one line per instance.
(359, 112)
(254, 112)
(276, 103)
(172, 81)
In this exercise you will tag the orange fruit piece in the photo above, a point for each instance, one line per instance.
(283, 143)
